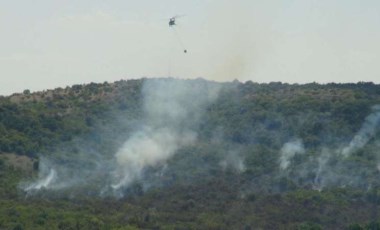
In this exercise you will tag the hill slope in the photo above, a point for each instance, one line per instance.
(184, 154)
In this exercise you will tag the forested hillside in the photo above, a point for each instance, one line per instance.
(191, 154)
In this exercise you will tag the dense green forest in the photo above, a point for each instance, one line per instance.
(191, 154)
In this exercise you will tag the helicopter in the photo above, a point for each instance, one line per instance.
(172, 20)
(172, 23)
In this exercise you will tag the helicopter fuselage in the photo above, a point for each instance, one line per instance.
(172, 22)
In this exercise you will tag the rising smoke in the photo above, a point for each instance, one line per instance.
(233, 161)
(367, 131)
(289, 151)
(47, 175)
(172, 111)
(172, 114)
(333, 167)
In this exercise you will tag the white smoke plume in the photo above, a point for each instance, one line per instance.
(147, 147)
(332, 167)
(44, 182)
(321, 178)
(64, 173)
(46, 178)
(288, 151)
(173, 110)
(367, 131)
(233, 160)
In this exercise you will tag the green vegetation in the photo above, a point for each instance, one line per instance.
(203, 186)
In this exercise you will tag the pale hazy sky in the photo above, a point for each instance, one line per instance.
(57, 43)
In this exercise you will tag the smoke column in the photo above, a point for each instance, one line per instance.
(367, 131)
(233, 161)
(47, 176)
(173, 110)
(320, 177)
(288, 151)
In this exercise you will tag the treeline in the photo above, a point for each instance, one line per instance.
(31, 123)
(39, 122)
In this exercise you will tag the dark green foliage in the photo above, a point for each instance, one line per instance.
(355, 227)
(197, 191)
(33, 123)
(309, 226)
